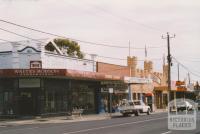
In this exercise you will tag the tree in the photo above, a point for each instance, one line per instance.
(70, 47)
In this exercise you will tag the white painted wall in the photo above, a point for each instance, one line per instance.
(6, 60)
(25, 58)
(23, 52)
(60, 62)
(49, 61)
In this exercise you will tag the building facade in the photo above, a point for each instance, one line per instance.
(140, 90)
(36, 81)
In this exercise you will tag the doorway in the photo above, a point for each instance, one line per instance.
(28, 102)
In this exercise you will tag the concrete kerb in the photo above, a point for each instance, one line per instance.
(65, 119)
(59, 119)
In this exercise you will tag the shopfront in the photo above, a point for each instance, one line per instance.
(49, 92)
(161, 97)
(120, 92)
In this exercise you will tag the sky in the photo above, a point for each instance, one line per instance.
(115, 22)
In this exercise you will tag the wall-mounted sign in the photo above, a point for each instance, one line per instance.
(110, 90)
(181, 88)
(56, 72)
(29, 83)
(104, 90)
(180, 83)
(35, 64)
(136, 80)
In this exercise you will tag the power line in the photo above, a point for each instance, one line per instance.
(77, 40)
(125, 18)
(5, 30)
(186, 68)
(4, 41)
(113, 58)
(190, 59)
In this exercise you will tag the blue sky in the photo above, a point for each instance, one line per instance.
(114, 22)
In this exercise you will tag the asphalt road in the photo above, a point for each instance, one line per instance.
(144, 124)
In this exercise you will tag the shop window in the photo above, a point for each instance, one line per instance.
(139, 96)
(84, 98)
(134, 96)
(7, 102)
(1, 103)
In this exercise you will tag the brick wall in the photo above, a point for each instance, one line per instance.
(113, 69)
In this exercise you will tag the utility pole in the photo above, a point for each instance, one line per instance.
(178, 72)
(189, 78)
(129, 48)
(130, 75)
(169, 60)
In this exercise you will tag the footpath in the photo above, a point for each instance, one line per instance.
(64, 119)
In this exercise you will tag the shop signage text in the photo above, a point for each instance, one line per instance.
(137, 80)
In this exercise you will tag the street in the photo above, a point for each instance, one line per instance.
(152, 124)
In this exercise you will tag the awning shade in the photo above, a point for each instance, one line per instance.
(149, 94)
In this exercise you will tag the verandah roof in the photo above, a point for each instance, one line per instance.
(57, 73)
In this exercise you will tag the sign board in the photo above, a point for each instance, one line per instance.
(181, 120)
(35, 64)
(110, 90)
(136, 80)
(118, 91)
(29, 83)
(180, 83)
(181, 88)
(104, 90)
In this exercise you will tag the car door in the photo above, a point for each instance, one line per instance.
(144, 107)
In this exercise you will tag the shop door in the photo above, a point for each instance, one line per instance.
(28, 102)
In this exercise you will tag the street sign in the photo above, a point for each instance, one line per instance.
(181, 88)
(180, 83)
(136, 80)
(110, 90)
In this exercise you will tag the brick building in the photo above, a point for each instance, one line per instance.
(154, 94)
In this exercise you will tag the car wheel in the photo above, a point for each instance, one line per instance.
(137, 113)
(125, 114)
(148, 112)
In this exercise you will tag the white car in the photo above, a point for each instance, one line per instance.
(128, 108)
(184, 105)
(139, 104)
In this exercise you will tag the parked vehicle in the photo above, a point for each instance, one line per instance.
(139, 105)
(133, 107)
(197, 104)
(184, 105)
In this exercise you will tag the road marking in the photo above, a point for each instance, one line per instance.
(168, 132)
(117, 125)
(17, 129)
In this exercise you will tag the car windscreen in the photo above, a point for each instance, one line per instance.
(137, 102)
(181, 103)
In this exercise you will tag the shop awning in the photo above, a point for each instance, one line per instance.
(149, 94)
(68, 73)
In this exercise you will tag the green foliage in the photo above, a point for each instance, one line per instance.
(72, 48)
